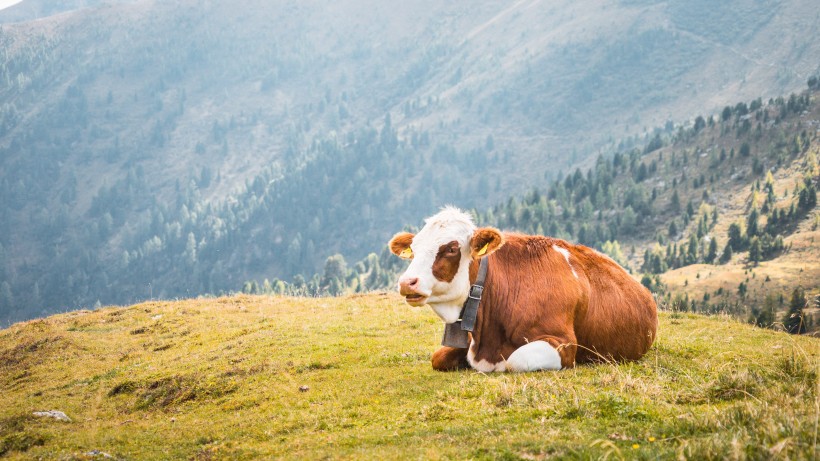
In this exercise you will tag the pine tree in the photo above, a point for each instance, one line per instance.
(726, 256)
(745, 149)
(674, 205)
(713, 248)
(794, 321)
(736, 240)
(764, 316)
(755, 251)
(334, 274)
(673, 230)
(692, 250)
(751, 223)
(690, 209)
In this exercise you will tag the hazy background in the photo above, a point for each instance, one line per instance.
(165, 149)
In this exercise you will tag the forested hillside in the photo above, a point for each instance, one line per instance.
(165, 149)
(719, 215)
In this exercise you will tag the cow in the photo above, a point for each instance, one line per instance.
(546, 303)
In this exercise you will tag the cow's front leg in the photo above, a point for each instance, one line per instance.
(449, 359)
(544, 354)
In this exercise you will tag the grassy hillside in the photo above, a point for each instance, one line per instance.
(349, 377)
(780, 156)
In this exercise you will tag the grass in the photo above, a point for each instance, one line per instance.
(248, 377)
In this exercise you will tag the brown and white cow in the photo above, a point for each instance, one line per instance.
(546, 304)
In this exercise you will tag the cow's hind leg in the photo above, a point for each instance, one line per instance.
(533, 356)
(449, 359)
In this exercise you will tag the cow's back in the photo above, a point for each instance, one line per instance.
(621, 317)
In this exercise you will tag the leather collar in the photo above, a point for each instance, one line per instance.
(455, 334)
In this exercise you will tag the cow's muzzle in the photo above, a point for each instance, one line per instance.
(409, 288)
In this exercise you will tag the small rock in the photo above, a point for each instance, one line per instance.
(94, 453)
(58, 415)
(303, 388)
(173, 420)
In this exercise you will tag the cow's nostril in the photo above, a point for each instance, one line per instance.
(408, 285)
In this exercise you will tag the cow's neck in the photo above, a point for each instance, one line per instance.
(475, 335)
(449, 312)
(457, 334)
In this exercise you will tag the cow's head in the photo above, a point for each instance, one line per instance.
(441, 253)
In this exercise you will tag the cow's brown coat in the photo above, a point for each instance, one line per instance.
(531, 294)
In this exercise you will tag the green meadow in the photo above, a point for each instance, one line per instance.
(349, 378)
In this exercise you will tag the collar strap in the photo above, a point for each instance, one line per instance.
(470, 310)
(455, 334)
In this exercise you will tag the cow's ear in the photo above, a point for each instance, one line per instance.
(400, 245)
(485, 241)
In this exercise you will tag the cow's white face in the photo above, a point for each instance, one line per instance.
(441, 253)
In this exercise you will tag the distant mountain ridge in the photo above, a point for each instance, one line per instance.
(29, 10)
(259, 137)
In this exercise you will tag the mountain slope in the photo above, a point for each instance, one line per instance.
(130, 130)
(716, 216)
(261, 377)
(29, 10)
